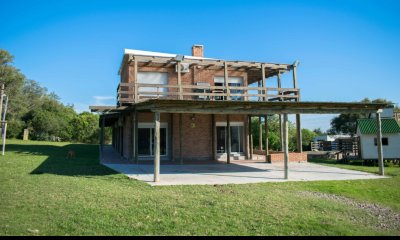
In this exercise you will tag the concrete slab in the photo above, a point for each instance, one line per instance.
(236, 173)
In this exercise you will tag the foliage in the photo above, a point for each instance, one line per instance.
(307, 137)
(85, 128)
(273, 133)
(32, 106)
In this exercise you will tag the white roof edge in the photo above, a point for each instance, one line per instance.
(158, 54)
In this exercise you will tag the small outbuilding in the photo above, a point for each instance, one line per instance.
(366, 129)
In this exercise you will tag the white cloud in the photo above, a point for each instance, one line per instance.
(104, 100)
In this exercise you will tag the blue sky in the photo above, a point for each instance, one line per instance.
(347, 50)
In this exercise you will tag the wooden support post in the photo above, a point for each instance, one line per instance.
(4, 137)
(266, 139)
(228, 128)
(298, 134)
(1, 99)
(260, 143)
(136, 137)
(180, 80)
(171, 137)
(226, 78)
(264, 84)
(250, 139)
(379, 143)
(156, 147)
(247, 140)
(180, 138)
(133, 136)
(102, 136)
(278, 76)
(281, 131)
(135, 63)
(285, 145)
(214, 150)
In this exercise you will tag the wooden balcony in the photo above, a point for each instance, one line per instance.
(128, 93)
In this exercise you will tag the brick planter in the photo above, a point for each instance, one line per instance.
(275, 157)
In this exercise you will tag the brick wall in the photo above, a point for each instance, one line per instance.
(293, 157)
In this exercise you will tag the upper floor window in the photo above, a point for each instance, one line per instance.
(157, 79)
(232, 82)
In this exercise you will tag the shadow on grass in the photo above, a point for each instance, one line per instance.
(85, 163)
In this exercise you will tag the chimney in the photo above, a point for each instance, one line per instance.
(197, 50)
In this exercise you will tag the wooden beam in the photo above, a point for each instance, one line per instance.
(286, 146)
(156, 147)
(379, 143)
(228, 128)
(226, 78)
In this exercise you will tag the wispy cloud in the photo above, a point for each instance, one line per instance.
(103, 100)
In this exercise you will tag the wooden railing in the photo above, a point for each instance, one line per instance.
(126, 93)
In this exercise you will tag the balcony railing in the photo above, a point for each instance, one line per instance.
(126, 93)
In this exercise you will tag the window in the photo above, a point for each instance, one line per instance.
(146, 139)
(385, 141)
(232, 82)
(237, 136)
(152, 78)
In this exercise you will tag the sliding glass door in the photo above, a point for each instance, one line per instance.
(237, 134)
(146, 140)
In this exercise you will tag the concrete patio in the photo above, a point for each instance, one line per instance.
(236, 173)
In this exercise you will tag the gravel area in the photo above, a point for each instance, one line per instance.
(387, 218)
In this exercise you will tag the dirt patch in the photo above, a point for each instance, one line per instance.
(387, 218)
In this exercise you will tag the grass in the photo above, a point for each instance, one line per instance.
(43, 193)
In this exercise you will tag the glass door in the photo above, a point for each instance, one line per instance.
(236, 139)
(146, 141)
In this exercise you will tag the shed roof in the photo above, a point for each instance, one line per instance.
(368, 126)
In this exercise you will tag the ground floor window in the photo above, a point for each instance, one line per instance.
(146, 139)
(237, 136)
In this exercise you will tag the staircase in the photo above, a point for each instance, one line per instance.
(234, 156)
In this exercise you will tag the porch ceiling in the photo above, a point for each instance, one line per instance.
(254, 108)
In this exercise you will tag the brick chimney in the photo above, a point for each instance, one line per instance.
(197, 50)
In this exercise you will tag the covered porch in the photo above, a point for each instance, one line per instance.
(158, 106)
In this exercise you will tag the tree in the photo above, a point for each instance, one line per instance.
(85, 128)
(307, 137)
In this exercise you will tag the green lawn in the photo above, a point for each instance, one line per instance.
(43, 193)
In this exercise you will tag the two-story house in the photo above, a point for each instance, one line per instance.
(180, 108)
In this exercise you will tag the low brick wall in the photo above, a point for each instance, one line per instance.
(275, 157)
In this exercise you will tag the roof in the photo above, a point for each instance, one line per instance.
(159, 57)
(368, 126)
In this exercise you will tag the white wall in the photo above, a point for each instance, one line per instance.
(370, 151)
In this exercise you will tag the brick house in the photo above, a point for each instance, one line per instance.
(178, 108)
